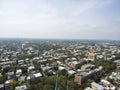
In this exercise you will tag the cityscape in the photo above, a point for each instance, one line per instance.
(27, 64)
(59, 44)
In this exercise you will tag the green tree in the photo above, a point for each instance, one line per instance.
(13, 85)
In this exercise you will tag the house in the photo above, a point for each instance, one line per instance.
(20, 62)
(96, 86)
(50, 73)
(7, 84)
(115, 76)
(87, 66)
(0, 75)
(44, 68)
(22, 78)
(9, 81)
(33, 77)
(107, 85)
(105, 82)
(61, 68)
(88, 88)
(10, 75)
(70, 59)
(71, 72)
(117, 65)
(1, 86)
(73, 63)
(23, 87)
(31, 69)
(18, 72)
(37, 75)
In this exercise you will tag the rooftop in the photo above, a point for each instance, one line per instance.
(23, 87)
(99, 87)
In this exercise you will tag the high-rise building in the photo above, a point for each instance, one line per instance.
(23, 46)
(91, 55)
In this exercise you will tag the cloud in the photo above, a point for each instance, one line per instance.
(77, 8)
(55, 19)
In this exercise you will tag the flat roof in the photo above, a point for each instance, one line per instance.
(99, 87)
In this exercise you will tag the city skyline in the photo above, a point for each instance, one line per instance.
(64, 19)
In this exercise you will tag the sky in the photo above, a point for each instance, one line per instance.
(60, 19)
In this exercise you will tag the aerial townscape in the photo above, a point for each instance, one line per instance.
(33, 64)
(59, 44)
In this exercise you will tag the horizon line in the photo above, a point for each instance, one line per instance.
(57, 39)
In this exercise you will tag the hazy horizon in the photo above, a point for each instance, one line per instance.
(60, 19)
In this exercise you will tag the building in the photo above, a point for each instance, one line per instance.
(61, 68)
(87, 66)
(37, 75)
(10, 75)
(18, 72)
(107, 85)
(117, 63)
(73, 63)
(96, 86)
(23, 87)
(91, 55)
(23, 46)
(22, 78)
(1, 86)
(88, 88)
(82, 77)
(71, 72)
(31, 69)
